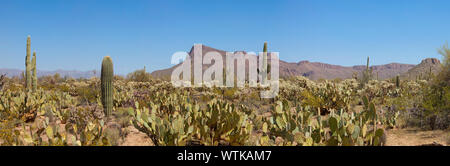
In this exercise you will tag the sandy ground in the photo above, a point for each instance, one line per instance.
(136, 138)
(415, 137)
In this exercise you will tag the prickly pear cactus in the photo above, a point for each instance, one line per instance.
(107, 85)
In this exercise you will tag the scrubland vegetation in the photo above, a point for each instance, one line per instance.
(350, 112)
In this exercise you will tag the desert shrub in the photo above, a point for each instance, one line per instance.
(112, 135)
(56, 78)
(53, 83)
(118, 78)
(311, 100)
(88, 94)
(436, 106)
(229, 93)
(337, 80)
(320, 80)
(139, 76)
(122, 116)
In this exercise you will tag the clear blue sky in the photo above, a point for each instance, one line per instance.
(77, 34)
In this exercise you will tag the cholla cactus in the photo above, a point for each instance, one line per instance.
(2, 77)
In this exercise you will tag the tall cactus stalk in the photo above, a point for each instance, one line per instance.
(367, 74)
(34, 76)
(28, 65)
(397, 81)
(107, 85)
(264, 65)
(367, 66)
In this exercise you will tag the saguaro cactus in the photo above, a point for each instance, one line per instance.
(367, 65)
(28, 65)
(264, 65)
(397, 81)
(368, 70)
(34, 76)
(367, 74)
(107, 85)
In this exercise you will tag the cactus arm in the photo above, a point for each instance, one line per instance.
(34, 76)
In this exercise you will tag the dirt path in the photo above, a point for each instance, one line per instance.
(136, 138)
(414, 137)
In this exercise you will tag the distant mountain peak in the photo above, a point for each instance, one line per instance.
(303, 62)
(205, 49)
(433, 61)
(423, 69)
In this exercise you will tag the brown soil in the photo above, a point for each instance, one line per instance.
(136, 138)
(416, 137)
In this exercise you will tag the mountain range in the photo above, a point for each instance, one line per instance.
(317, 70)
(62, 73)
(311, 70)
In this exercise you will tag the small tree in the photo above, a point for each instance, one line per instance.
(437, 95)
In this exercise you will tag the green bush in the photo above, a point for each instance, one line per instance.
(437, 96)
